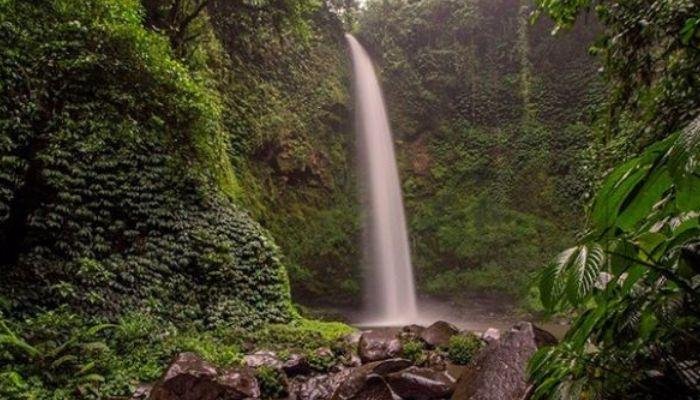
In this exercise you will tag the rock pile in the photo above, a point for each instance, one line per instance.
(374, 369)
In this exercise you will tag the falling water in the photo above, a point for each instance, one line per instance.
(390, 293)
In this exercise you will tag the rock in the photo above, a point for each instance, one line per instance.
(455, 370)
(320, 387)
(238, 384)
(439, 334)
(142, 392)
(375, 388)
(416, 383)
(352, 360)
(358, 378)
(352, 339)
(499, 371)
(187, 378)
(262, 359)
(435, 360)
(296, 364)
(491, 335)
(379, 344)
(411, 332)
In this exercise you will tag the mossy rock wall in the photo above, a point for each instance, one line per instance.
(111, 190)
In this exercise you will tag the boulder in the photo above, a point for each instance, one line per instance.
(187, 378)
(499, 371)
(416, 383)
(374, 388)
(296, 364)
(379, 344)
(411, 332)
(238, 384)
(359, 377)
(262, 358)
(438, 334)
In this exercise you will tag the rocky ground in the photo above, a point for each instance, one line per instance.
(410, 363)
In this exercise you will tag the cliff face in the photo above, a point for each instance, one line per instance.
(287, 109)
(491, 116)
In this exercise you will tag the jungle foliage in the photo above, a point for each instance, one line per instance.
(492, 116)
(633, 279)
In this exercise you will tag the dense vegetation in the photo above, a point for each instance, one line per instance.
(492, 117)
(129, 133)
(632, 281)
(153, 152)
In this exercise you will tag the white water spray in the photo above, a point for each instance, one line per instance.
(390, 292)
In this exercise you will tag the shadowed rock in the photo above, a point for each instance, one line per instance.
(499, 372)
(296, 364)
(421, 383)
(439, 334)
(379, 344)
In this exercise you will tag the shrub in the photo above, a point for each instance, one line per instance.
(462, 348)
(413, 350)
(271, 383)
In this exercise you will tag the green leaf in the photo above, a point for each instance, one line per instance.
(650, 192)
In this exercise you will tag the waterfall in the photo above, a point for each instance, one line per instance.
(390, 294)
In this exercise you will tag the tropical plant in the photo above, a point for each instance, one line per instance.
(54, 355)
(634, 283)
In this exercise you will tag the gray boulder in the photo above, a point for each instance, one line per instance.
(499, 371)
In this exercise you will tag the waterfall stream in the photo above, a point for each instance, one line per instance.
(390, 297)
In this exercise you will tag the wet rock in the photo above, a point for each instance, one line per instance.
(416, 383)
(238, 384)
(455, 370)
(262, 358)
(439, 334)
(491, 335)
(374, 388)
(187, 378)
(296, 364)
(411, 332)
(499, 372)
(379, 344)
(358, 378)
(352, 360)
(142, 392)
(435, 360)
(320, 387)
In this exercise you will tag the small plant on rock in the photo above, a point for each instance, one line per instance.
(462, 348)
(413, 351)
